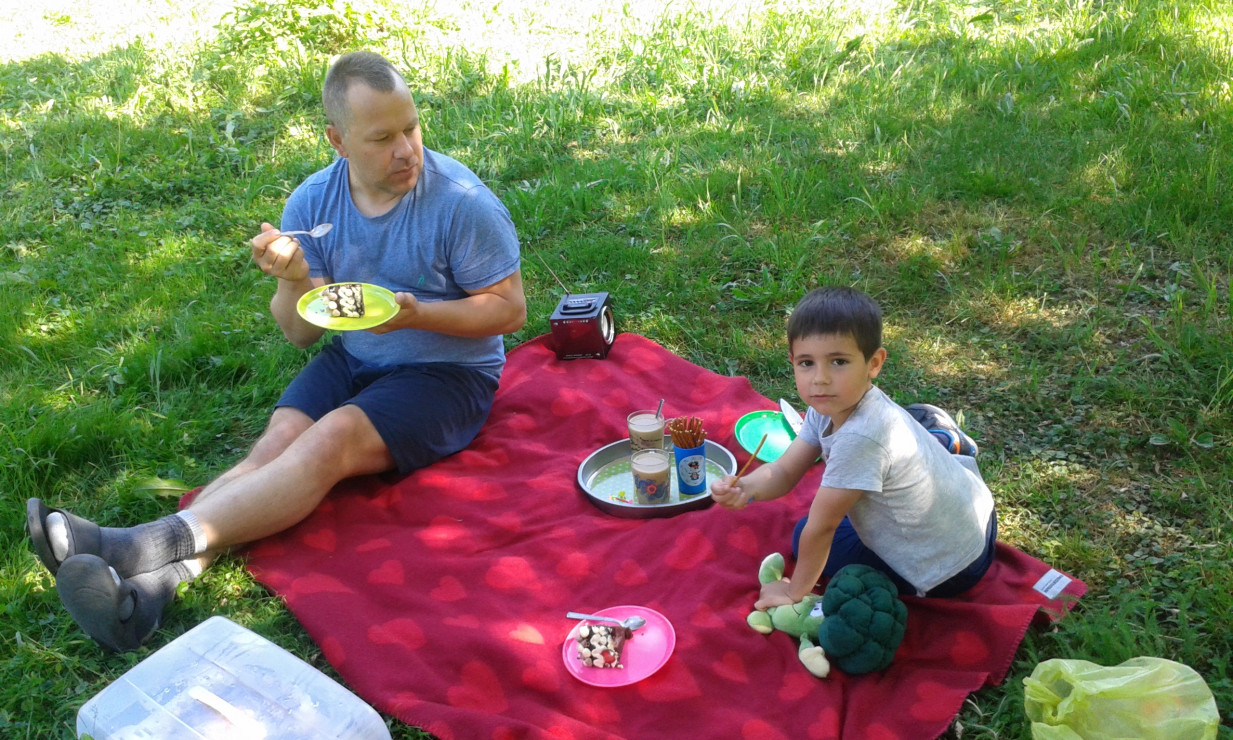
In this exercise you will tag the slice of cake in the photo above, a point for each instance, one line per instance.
(344, 300)
(599, 646)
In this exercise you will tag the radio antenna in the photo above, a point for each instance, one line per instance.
(554, 275)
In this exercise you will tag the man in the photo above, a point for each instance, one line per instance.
(398, 396)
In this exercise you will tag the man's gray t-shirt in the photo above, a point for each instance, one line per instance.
(924, 511)
(450, 234)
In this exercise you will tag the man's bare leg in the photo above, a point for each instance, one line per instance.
(285, 426)
(122, 612)
(284, 490)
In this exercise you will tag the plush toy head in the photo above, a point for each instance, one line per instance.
(801, 620)
(865, 619)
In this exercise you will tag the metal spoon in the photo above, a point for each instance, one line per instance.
(318, 230)
(632, 623)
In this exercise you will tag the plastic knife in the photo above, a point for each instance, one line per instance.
(791, 415)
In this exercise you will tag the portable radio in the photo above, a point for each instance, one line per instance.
(582, 326)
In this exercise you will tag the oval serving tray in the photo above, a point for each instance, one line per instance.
(608, 483)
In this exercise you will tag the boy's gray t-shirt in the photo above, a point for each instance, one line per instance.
(924, 511)
(450, 234)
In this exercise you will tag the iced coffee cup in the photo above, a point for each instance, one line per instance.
(646, 430)
(652, 471)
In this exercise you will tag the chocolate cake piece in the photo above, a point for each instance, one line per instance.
(600, 646)
(344, 300)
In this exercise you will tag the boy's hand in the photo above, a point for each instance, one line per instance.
(774, 594)
(729, 494)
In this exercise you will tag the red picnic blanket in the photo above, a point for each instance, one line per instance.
(440, 597)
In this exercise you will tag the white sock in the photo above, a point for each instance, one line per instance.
(199, 536)
(57, 535)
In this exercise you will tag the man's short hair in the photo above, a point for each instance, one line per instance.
(367, 67)
(838, 309)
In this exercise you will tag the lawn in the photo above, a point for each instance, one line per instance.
(1036, 191)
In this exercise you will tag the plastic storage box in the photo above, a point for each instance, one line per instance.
(219, 680)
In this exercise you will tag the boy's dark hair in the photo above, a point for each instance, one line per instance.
(838, 309)
(368, 67)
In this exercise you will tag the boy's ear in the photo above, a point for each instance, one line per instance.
(876, 361)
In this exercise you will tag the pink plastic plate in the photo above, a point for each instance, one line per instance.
(644, 653)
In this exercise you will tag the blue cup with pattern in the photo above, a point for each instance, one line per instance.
(690, 469)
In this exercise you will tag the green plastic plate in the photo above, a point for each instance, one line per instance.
(751, 427)
(379, 307)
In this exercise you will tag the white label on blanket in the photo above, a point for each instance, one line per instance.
(1052, 583)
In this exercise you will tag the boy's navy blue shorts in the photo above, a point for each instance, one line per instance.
(847, 548)
(423, 412)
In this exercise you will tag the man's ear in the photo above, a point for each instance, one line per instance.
(335, 138)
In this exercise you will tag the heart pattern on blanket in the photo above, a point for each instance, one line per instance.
(744, 540)
(390, 572)
(481, 688)
(402, 631)
(449, 589)
(542, 676)
(631, 574)
(440, 596)
(796, 686)
(731, 667)
(325, 540)
(691, 549)
(930, 702)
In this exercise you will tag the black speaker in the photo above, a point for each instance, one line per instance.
(582, 326)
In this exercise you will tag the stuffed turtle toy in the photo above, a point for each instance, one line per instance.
(865, 619)
(859, 621)
(801, 620)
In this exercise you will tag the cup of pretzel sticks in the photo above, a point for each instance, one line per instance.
(689, 450)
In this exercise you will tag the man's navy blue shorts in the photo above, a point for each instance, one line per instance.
(422, 412)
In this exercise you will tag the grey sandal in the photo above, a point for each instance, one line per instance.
(120, 616)
(84, 536)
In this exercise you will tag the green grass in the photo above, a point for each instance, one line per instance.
(1037, 192)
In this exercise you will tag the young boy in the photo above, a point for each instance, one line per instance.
(891, 496)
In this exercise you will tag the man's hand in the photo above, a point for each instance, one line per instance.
(774, 594)
(408, 306)
(279, 256)
(729, 493)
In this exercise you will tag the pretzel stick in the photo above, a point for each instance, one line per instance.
(750, 460)
(687, 432)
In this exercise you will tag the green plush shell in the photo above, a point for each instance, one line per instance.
(865, 620)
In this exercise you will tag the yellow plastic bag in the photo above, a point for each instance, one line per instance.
(1144, 698)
